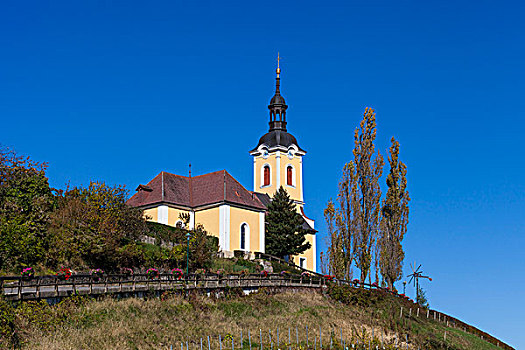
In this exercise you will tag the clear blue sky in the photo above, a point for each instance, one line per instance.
(119, 91)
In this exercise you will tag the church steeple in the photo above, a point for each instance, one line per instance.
(277, 104)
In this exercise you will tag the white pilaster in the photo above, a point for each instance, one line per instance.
(192, 220)
(162, 214)
(278, 170)
(262, 227)
(254, 174)
(224, 227)
(301, 177)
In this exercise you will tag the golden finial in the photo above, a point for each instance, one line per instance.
(278, 69)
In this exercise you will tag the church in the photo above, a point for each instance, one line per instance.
(223, 206)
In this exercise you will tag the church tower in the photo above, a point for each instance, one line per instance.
(278, 159)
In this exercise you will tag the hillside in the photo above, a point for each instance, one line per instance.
(356, 314)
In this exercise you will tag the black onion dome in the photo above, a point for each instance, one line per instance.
(277, 138)
(277, 99)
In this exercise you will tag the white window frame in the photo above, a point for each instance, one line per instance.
(305, 261)
(294, 176)
(247, 237)
(262, 175)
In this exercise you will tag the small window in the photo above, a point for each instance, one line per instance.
(243, 236)
(179, 224)
(266, 176)
(289, 175)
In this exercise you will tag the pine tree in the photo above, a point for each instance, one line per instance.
(421, 298)
(284, 232)
(394, 219)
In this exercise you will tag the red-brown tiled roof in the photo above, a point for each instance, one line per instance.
(196, 191)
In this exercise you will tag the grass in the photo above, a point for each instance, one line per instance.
(81, 323)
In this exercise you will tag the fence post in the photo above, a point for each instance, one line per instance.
(20, 288)
(209, 344)
(260, 338)
(320, 338)
(307, 337)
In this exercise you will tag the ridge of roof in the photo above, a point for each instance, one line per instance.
(196, 191)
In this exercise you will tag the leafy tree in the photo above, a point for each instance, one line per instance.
(26, 201)
(336, 252)
(394, 219)
(91, 225)
(285, 235)
(368, 171)
(357, 215)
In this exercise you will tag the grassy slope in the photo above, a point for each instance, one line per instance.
(160, 322)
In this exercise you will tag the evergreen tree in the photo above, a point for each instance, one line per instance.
(421, 298)
(394, 219)
(284, 232)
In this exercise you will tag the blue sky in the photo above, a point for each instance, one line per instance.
(119, 91)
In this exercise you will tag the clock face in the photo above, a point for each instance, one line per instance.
(265, 154)
(290, 154)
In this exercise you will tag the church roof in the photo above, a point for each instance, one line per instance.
(193, 192)
(277, 135)
(276, 138)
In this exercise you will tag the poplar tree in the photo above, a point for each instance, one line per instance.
(394, 219)
(368, 194)
(285, 234)
(337, 265)
(357, 215)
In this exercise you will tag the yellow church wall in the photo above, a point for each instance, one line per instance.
(209, 218)
(151, 214)
(309, 254)
(259, 164)
(293, 191)
(239, 216)
(173, 215)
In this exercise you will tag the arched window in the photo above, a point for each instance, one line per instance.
(289, 175)
(244, 229)
(266, 179)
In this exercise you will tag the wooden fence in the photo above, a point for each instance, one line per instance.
(17, 288)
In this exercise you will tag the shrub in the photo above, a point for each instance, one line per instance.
(28, 272)
(64, 274)
(152, 273)
(177, 273)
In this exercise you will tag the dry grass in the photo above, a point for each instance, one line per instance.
(157, 323)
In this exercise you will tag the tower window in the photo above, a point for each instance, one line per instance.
(266, 180)
(289, 175)
(244, 228)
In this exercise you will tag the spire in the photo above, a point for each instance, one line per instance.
(277, 104)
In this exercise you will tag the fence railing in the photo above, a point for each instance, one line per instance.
(17, 288)
(41, 287)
